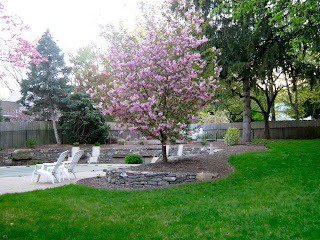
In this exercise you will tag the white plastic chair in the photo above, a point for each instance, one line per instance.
(50, 170)
(69, 165)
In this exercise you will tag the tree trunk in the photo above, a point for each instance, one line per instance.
(266, 126)
(246, 129)
(164, 153)
(296, 111)
(273, 111)
(55, 130)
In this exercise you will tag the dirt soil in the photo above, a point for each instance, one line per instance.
(216, 163)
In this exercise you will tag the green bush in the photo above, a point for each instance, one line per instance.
(133, 159)
(141, 143)
(203, 143)
(121, 141)
(96, 144)
(81, 122)
(232, 136)
(76, 144)
(173, 141)
(31, 143)
(1, 148)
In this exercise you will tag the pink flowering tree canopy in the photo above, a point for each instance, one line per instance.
(157, 82)
(15, 51)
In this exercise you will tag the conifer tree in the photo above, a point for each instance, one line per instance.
(46, 85)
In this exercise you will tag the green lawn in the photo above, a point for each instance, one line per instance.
(271, 195)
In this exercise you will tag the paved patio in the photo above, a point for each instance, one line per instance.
(16, 179)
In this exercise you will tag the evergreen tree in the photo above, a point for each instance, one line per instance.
(46, 85)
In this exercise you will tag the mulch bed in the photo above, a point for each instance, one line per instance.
(216, 163)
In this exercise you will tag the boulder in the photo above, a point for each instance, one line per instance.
(206, 176)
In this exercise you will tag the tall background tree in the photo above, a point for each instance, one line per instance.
(258, 41)
(84, 66)
(47, 83)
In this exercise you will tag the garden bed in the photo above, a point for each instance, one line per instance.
(216, 164)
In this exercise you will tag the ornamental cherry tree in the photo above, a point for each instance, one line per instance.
(156, 77)
(15, 51)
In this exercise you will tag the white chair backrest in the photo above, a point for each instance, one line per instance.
(62, 156)
(180, 149)
(167, 149)
(75, 159)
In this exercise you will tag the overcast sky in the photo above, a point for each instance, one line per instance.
(72, 23)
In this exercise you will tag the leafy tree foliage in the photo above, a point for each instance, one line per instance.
(85, 66)
(46, 85)
(257, 39)
(81, 122)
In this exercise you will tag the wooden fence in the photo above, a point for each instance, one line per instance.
(15, 134)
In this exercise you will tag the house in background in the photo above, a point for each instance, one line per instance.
(11, 111)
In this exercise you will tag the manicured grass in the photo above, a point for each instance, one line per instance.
(271, 195)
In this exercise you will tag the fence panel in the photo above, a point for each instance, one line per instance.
(15, 134)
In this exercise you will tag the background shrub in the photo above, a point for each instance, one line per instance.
(121, 141)
(232, 136)
(81, 122)
(133, 159)
(31, 143)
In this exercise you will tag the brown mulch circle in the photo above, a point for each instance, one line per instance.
(216, 163)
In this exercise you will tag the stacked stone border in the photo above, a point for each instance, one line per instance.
(137, 179)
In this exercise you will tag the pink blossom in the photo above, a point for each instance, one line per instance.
(156, 85)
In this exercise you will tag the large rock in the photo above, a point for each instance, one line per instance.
(206, 176)
(25, 154)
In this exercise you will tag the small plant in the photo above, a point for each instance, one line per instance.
(16, 146)
(232, 136)
(189, 139)
(203, 143)
(98, 176)
(31, 143)
(173, 141)
(121, 141)
(35, 162)
(133, 159)
(141, 142)
(97, 144)
(76, 144)
(1, 148)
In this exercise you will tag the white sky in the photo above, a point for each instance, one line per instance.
(72, 23)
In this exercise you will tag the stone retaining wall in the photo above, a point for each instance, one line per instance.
(107, 155)
(138, 179)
